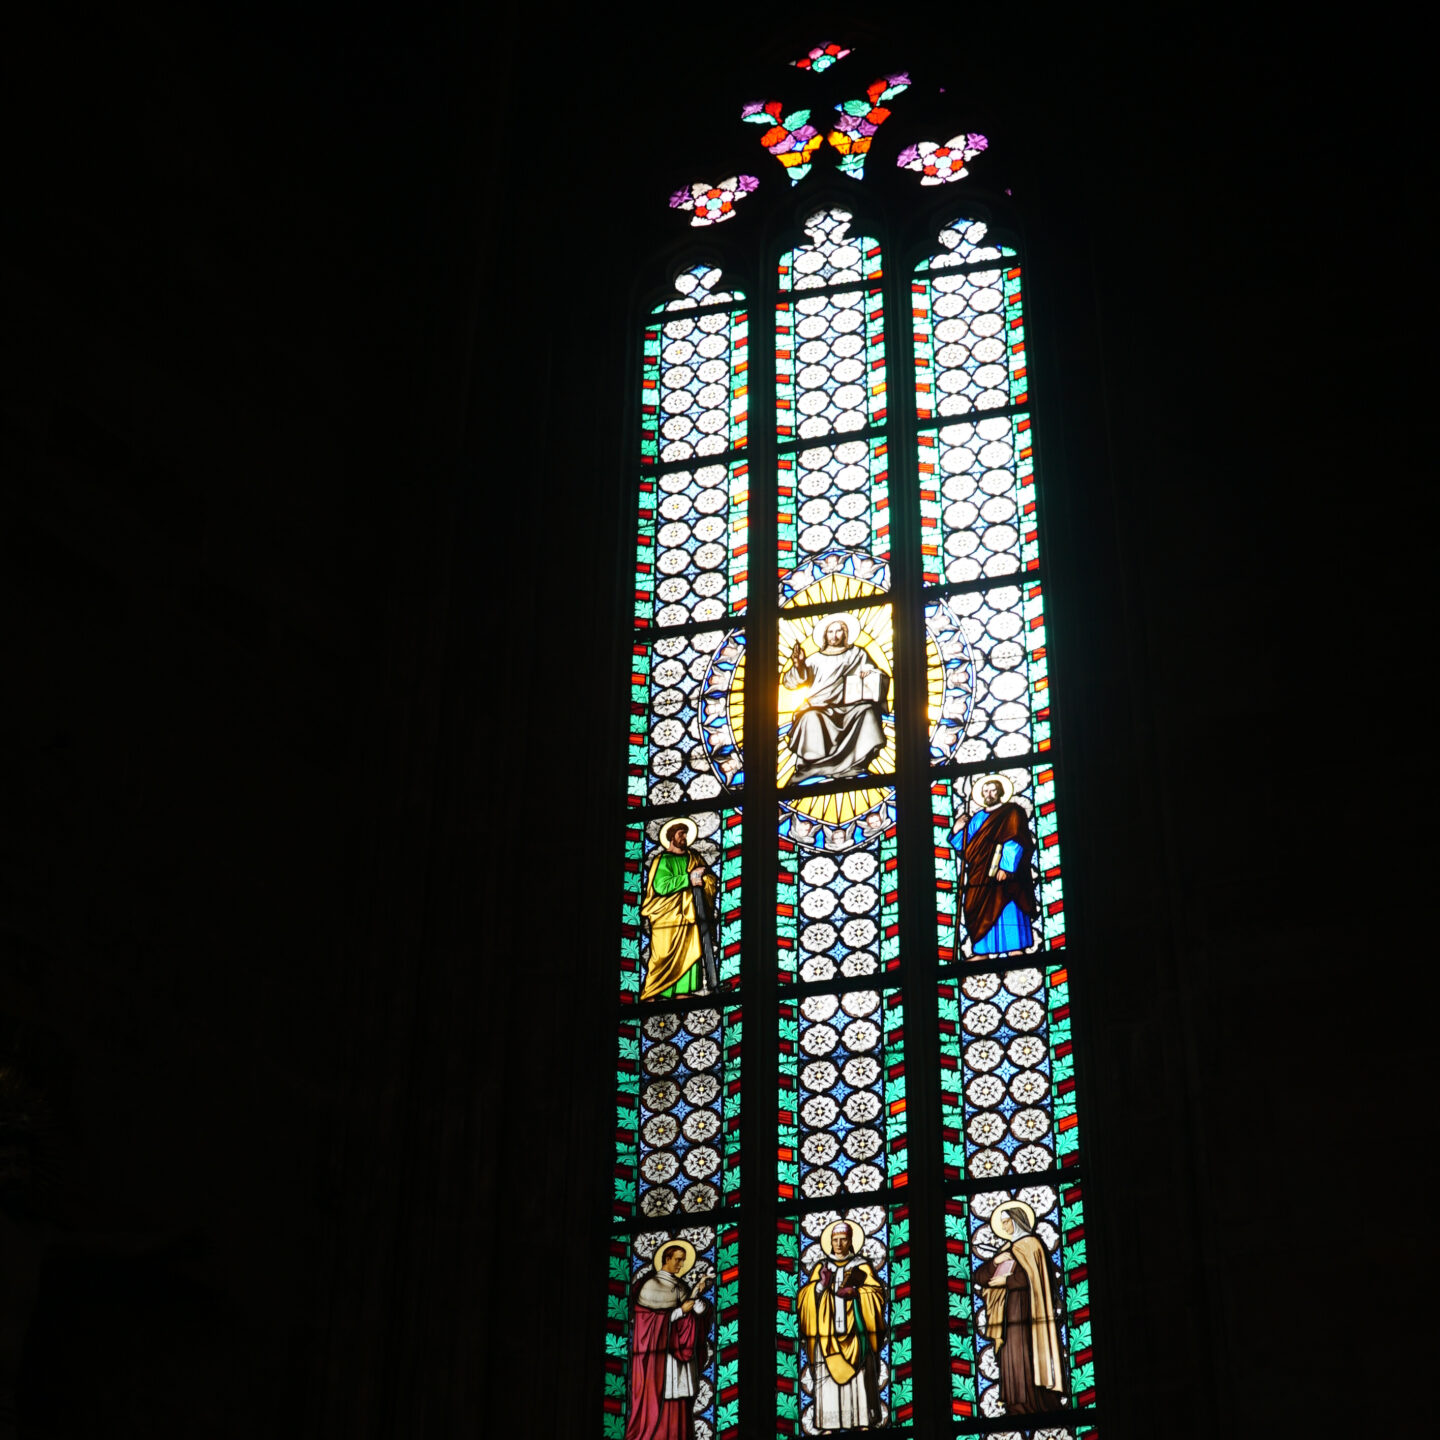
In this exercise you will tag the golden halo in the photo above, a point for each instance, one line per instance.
(666, 826)
(851, 624)
(1007, 790)
(685, 1245)
(857, 1237)
(1017, 1205)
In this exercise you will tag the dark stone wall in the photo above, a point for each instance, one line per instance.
(302, 940)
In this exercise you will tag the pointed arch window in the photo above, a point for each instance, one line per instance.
(848, 1186)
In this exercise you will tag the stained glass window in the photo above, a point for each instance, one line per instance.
(838, 623)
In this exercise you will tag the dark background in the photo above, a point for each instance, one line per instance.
(314, 368)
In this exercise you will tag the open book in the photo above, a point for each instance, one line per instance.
(862, 687)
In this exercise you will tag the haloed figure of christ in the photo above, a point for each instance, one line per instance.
(1016, 1286)
(678, 912)
(667, 1346)
(842, 1325)
(837, 730)
(999, 894)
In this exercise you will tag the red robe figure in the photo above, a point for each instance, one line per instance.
(667, 1350)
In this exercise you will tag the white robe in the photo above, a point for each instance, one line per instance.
(830, 739)
(841, 1407)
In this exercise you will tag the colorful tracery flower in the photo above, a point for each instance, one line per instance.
(939, 164)
(791, 139)
(821, 58)
(860, 119)
(713, 204)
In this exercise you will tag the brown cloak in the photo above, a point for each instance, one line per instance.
(986, 895)
(1020, 1319)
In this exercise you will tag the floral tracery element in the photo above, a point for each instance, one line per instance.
(821, 58)
(860, 119)
(792, 140)
(940, 164)
(713, 204)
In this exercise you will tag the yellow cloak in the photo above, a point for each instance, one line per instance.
(675, 951)
(843, 1354)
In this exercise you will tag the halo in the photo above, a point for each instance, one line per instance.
(824, 622)
(666, 826)
(857, 1237)
(1007, 789)
(685, 1245)
(1018, 1205)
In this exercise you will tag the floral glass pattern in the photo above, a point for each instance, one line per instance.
(712, 204)
(860, 119)
(821, 58)
(791, 138)
(940, 163)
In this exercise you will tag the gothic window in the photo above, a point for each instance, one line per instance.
(847, 1191)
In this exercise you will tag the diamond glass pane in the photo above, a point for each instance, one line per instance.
(687, 717)
(1007, 1074)
(977, 500)
(987, 670)
(678, 1113)
(842, 1095)
(694, 384)
(692, 544)
(837, 897)
(834, 515)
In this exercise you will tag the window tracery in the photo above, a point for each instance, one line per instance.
(907, 611)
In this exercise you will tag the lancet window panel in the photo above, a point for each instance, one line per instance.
(677, 867)
(836, 696)
(866, 1380)
(988, 674)
(977, 500)
(652, 1275)
(969, 341)
(1007, 1074)
(694, 380)
(692, 544)
(842, 1095)
(998, 884)
(687, 717)
(833, 514)
(830, 363)
(677, 1132)
(837, 891)
(1019, 1275)
(1001, 1122)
